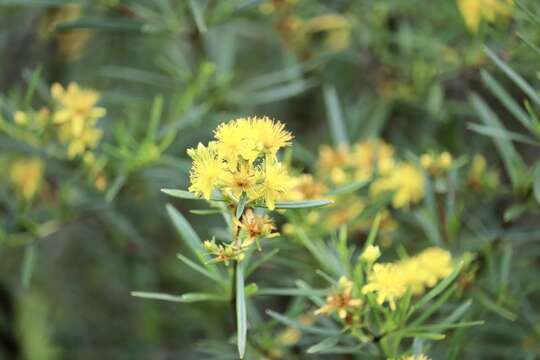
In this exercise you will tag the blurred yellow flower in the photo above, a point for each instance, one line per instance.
(77, 107)
(370, 254)
(415, 357)
(474, 11)
(388, 282)
(26, 176)
(436, 164)
(407, 182)
(77, 116)
(426, 269)
(70, 43)
(480, 177)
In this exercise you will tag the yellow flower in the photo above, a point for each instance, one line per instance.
(88, 139)
(20, 117)
(387, 281)
(235, 141)
(474, 11)
(436, 164)
(206, 170)
(415, 357)
(26, 176)
(77, 107)
(243, 180)
(341, 301)
(479, 175)
(370, 254)
(306, 187)
(271, 135)
(336, 28)
(425, 269)
(276, 182)
(405, 180)
(371, 155)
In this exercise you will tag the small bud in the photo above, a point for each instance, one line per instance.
(370, 254)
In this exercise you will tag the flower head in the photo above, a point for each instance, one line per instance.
(387, 281)
(415, 357)
(407, 182)
(474, 11)
(77, 107)
(77, 117)
(26, 176)
(370, 254)
(341, 301)
(206, 170)
(271, 135)
(275, 183)
(436, 164)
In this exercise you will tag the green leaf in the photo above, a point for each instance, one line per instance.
(200, 269)
(183, 194)
(303, 204)
(205, 211)
(536, 182)
(260, 260)
(241, 318)
(489, 304)
(507, 100)
(115, 25)
(335, 116)
(197, 12)
(502, 134)
(373, 231)
(291, 292)
(348, 188)
(28, 264)
(437, 289)
(155, 117)
(191, 238)
(305, 328)
(515, 77)
(512, 161)
(322, 345)
(185, 298)
(241, 205)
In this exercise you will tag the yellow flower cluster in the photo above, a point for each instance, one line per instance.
(373, 159)
(26, 177)
(390, 281)
(77, 117)
(405, 180)
(474, 11)
(359, 163)
(436, 164)
(425, 269)
(242, 161)
(341, 301)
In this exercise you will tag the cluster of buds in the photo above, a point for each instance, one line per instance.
(437, 164)
(249, 230)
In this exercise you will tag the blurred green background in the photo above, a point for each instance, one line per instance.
(400, 70)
